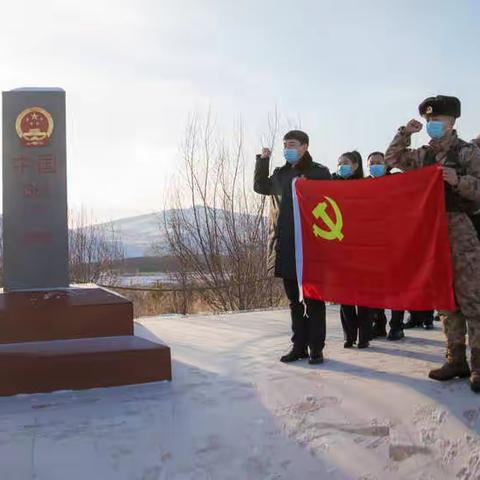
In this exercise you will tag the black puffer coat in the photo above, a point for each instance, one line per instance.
(281, 244)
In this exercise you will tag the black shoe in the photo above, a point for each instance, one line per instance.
(428, 326)
(316, 357)
(364, 345)
(294, 354)
(348, 345)
(395, 335)
(411, 323)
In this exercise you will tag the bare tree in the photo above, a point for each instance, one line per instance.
(219, 232)
(94, 249)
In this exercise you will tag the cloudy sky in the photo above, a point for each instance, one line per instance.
(350, 72)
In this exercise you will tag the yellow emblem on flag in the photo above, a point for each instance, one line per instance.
(334, 231)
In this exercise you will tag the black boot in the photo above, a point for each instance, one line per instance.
(395, 334)
(316, 356)
(295, 354)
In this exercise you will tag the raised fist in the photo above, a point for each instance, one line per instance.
(266, 153)
(413, 126)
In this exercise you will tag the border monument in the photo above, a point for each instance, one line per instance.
(53, 335)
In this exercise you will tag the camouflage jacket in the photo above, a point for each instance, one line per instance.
(400, 155)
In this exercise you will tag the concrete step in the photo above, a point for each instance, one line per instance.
(32, 367)
(76, 312)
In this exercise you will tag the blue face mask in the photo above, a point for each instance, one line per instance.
(345, 171)
(435, 129)
(377, 170)
(291, 155)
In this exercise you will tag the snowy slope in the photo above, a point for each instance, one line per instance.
(233, 412)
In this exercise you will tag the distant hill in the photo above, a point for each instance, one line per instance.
(139, 234)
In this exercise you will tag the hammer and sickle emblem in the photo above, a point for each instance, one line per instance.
(335, 228)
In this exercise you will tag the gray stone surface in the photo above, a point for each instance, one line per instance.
(35, 232)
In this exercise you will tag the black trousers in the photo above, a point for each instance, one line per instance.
(396, 322)
(356, 323)
(309, 327)
(421, 317)
(379, 320)
(418, 316)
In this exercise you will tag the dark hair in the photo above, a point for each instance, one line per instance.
(375, 153)
(302, 137)
(355, 157)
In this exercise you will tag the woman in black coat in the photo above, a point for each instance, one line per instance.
(356, 321)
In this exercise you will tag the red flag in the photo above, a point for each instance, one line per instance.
(379, 243)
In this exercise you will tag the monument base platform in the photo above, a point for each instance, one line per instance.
(73, 338)
(46, 366)
(80, 311)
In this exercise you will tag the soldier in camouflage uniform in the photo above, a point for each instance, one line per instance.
(461, 171)
(476, 216)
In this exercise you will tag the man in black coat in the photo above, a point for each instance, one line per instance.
(308, 321)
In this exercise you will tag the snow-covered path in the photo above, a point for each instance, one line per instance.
(234, 412)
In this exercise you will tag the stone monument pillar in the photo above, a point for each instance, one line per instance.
(55, 336)
(35, 233)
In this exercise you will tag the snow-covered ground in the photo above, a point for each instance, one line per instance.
(234, 412)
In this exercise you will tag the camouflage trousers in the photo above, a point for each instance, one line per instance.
(465, 247)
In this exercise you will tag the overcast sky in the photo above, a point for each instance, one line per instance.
(351, 71)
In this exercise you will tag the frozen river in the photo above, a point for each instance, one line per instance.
(144, 280)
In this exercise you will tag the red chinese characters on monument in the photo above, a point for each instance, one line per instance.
(37, 237)
(45, 164)
(21, 164)
(34, 127)
(32, 190)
